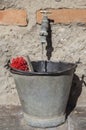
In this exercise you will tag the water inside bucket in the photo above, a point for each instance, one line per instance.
(49, 66)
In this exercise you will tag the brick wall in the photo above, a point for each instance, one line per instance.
(20, 36)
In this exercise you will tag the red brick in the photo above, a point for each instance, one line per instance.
(64, 16)
(13, 17)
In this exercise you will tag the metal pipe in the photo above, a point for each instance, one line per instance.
(44, 29)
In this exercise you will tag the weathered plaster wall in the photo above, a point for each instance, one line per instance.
(69, 43)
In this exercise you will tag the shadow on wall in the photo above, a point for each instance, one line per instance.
(49, 47)
(75, 92)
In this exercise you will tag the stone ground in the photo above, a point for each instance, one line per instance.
(11, 118)
(77, 119)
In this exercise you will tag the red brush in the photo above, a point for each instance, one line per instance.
(19, 63)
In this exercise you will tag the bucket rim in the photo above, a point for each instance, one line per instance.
(57, 73)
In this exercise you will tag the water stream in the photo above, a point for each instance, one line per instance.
(43, 52)
(44, 62)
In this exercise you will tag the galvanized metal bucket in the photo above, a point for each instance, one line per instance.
(44, 95)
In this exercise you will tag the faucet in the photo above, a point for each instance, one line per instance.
(46, 36)
(44, 29)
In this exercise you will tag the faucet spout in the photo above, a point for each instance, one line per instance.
(44, 29)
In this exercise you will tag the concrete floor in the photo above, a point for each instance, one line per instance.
(11, 118)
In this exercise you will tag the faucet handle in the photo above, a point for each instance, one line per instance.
(45, 12)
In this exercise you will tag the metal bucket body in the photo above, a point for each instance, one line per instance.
(44, 95)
